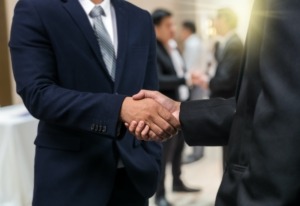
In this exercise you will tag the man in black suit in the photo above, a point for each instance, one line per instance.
(76, 64)
(228, 54)
(171, 77)
(261, 124)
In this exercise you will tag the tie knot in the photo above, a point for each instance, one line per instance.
(97, 11)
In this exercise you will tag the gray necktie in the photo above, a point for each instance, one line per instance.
(105, 43)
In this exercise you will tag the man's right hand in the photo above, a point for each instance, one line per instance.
(152, 115)
(139, 128)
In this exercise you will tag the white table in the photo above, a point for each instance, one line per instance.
(17, 133)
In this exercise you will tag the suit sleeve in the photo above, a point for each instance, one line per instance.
(34, 67)
(226, 77)
(207, 122)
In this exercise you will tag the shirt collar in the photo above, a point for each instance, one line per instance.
(88, 5)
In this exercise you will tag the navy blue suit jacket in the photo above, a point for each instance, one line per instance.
(63, 82)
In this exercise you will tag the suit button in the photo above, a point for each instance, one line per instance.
(100, 129)
(104, 129)
(96, 127)
(93, 127)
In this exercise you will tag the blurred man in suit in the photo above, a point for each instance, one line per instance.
(261, 125)
(228, 54)
(76, 62)
(172, 82)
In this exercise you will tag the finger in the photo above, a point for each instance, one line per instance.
(170, 119)
(160, 133)
(132, 126)
(126, 125)
(145, 132)
(154, 137)
(160, 126)
(141, 125)
(167, 122)
(157, 126)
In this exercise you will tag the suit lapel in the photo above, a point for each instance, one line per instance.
(122, 27)
(79, 16)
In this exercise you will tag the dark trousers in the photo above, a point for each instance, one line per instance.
(124, 193)
(172, 151)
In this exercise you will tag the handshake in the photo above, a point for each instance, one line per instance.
(151, 116)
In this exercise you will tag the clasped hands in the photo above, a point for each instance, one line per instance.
(151, 116)
(199, 79)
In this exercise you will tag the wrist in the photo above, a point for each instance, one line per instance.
(124, 109)
(176, 110)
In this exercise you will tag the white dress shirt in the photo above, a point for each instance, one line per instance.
(109, 20)
(179, 67)
(196, 57)
(194, 54)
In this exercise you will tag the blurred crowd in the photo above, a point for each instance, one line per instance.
(197, 69)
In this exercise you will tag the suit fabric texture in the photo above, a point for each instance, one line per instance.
(261, 127)
(63, 81)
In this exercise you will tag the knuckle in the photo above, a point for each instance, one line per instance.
(167, 128)
(162, 134)
(148, 115)
(168, 117)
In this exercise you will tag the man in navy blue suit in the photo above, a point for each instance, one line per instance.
(76, 64)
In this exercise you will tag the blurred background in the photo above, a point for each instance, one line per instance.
(205, 173)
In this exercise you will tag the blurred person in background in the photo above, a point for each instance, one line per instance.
(195, 58)
(228, 54)
(172, 82)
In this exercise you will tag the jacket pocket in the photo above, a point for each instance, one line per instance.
(59, 142)
(238, 169)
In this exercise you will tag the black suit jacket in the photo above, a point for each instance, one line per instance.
(62, 79)
(167, 76)
(262, 130)
(223, 84)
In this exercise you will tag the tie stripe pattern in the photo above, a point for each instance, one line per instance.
(105, 43)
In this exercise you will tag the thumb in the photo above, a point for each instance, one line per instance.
(144, 94)
(139, 96)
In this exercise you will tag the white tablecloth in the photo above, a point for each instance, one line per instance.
(17, 133)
